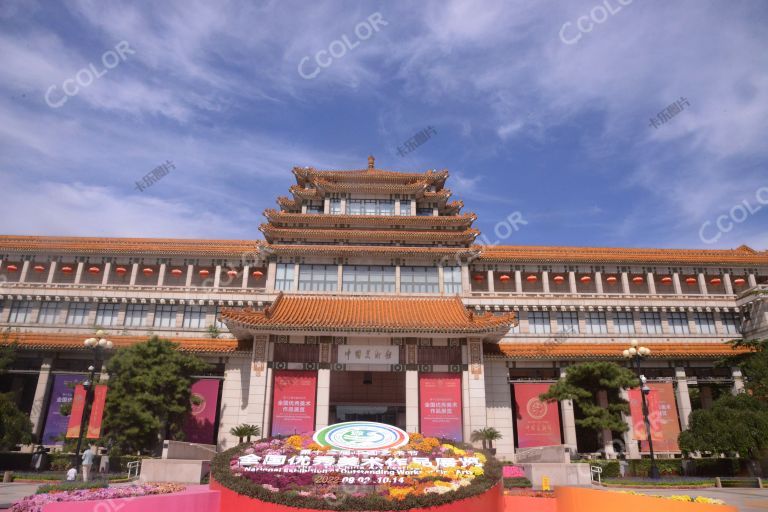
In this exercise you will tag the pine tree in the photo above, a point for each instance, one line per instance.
(15, 427)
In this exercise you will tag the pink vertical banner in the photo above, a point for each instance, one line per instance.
(662, 416)
(440, 405)
(293, 402)
(538, 422)
(76, 414)
(200, 424)
(97, 411)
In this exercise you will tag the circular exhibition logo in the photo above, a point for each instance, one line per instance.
(198, 404)
(536, 408)
(361, 435)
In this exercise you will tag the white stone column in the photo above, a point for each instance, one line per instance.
(727, 283)
(107, 271)
(518, 282)
(323, 398)
(326, 206)
(246, 272)
(24, 270)
(491, 284)
(499, 407)
(411, 401)
(624, 283)
(649, 277)
(599, 282)
(397, 279)
(752, 280)
(473, 384)
(465, 286)
(339, 277)
(607, 435)
(217, 276)
(572, 282)
(296, 270)
(738, 381)
(683, 397)
(631, 449)
(161, 275)
(440, 280)
(397, 207)
(545, 281)
(51, 272)
(271, 270)
(41, 395)
(676, 283)
(343, 205)
(134, 273)
(568, 420)
(702, 284)
(79, 272)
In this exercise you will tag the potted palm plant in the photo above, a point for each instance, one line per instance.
(245, 431)
(487, 436)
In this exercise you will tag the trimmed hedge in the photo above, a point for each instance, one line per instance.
(220, 472)
(667, 467)
(610, 467)
(517, 483)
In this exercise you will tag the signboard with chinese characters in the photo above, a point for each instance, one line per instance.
(440, 399)
(293, 402)
(538, 422)
(662, 416)
(369, 354)
(61, 394)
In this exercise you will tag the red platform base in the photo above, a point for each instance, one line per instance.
(490, 501)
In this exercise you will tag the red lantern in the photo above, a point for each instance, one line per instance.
(232, 273)
(739, 281)
(611, 279)
(12, 268)
(504, 278)
(532, 278)
(66, 270)
(558, 279)
(478, 277)
(690, 280)
(39, 268)
(637, 280)
(257, 274)
(715, 281)
(204, 273)
(94, 270)
(666, 280)
(148, 271)
(121, 270)
(177, 272)
(585, 279)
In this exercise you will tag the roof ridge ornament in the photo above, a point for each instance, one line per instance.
(371, 162)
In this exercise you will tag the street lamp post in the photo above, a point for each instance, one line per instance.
(96, 344)
(635, 354)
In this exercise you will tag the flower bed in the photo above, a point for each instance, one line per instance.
(668, 483)
(37, 502)
(400, 478)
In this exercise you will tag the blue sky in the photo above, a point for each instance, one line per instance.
(532, 114)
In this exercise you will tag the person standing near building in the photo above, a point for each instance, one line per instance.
(87, 463)
(104, 462)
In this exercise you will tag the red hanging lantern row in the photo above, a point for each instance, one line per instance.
(148, 271)
(121, 271)
(66, 270)
(177, 272)
(94, 270)
(478, 277)
(504, 278)
(690, 280)
(532, 278)
(257, 274)
(611, 280)
(585, 279)
(715, 281)
(638, 279)
(558, 279)
(204, 273)
(739, 281)
(11, 268)
(232, 273)
(666, 280)
(39, 268)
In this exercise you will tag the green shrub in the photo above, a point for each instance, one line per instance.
(71, 486)
(61, 461)
(516, 483)
(667, 467)
(610, 467)
(15, 461)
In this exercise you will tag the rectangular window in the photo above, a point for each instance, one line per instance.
(651, 322)
(678, 321)
(370, 207)
(365, 278)
(596, 322)
(106, 314)
(194, 317)
(314, 207)
(136, 315)
(419, 280)
(705, 322)
(49, 313)
(624, 322)
(318, 278)
(567, 322)
(731, 323)
(335, 207)
(284, 277)
(405, 207)
(424, 212)
(165, 315)
(452, 280)
(538, 322)
(77, 313)
(20, 312)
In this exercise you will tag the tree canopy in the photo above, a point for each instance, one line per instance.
(15, 427)
(149, 394)
(583, 382)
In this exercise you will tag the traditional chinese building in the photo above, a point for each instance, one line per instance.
(369, 299)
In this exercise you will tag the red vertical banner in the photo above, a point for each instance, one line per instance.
(440, 405)
(538, 422)
(76, 414)
(200, 424)
(662, 416)
(97, 411)
(293, 402)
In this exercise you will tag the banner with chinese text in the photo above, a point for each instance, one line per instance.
(440, 400)
(662, 416)
(538, 422)
(97, 411)
(62, 392)
(293, 402)
(76, 416)
(200, 424)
